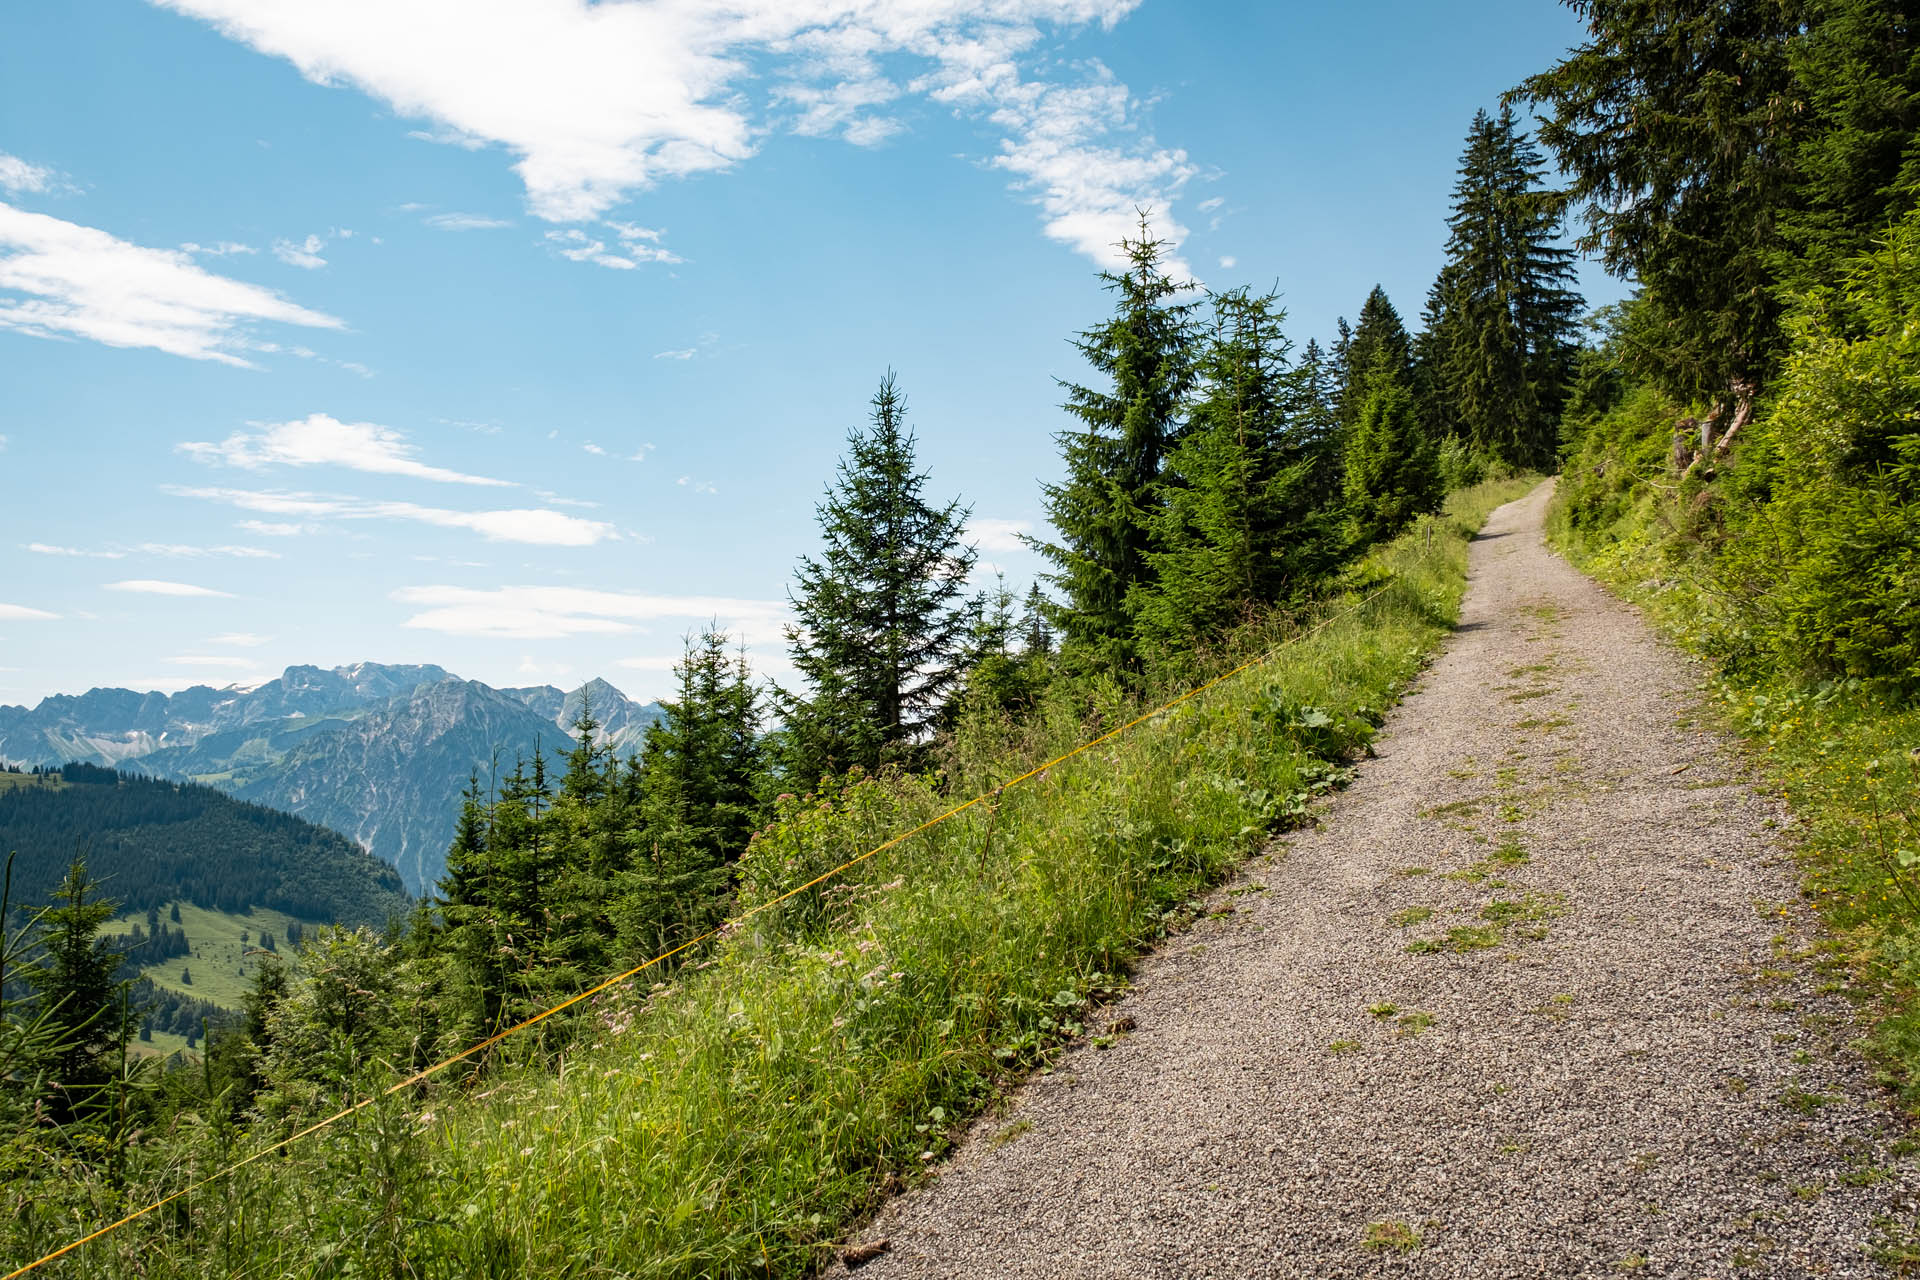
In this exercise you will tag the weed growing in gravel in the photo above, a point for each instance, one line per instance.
(1411, 871)
(1344, 1046)
(1412, 916)
(1511, 852)
(1391, 1236)
(1460, 939)
(1002, 1137)
(1802, 1102)
(1383, 1009)
(1412, 1023)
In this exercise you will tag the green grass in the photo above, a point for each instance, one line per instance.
(739, 1117)
(222, 964)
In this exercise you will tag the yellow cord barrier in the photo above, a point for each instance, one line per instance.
(618, 978)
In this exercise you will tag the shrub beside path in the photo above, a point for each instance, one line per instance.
(1536, 998)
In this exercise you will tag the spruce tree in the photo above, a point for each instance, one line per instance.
(881, 615)
(1496, 354)
(1392, 466)
(1379, 334)
(1103, 509)
(702, 765)
(1239, 524)
(76, 977)
(1677, 122)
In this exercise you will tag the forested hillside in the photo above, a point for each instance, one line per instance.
(150, 843)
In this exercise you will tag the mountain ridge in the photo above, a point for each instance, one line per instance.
(375, 751)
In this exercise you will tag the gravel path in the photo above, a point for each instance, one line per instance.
(1599, 1055)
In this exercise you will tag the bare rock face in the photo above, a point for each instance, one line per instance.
(379, 753)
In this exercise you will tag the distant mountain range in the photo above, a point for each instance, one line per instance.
(378, 752)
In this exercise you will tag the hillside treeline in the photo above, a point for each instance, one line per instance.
(151, 842)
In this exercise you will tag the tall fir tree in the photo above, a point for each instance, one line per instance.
(702, 765)
(76, 976)
(1496, 352)
(1677, 122)
(1103, 509)
(1393, 472)
(1379, 334)
(1240, 523)
(881, 616)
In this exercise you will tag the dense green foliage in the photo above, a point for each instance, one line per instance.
(151, 842)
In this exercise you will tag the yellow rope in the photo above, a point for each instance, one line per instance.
(542, 1016)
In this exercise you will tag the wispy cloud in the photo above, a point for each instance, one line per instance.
(18, 176)
(173, 549)
(698, 486)
(157, 587)
(223, 249)
(629, 251)
(599, 101)
(466, 222)
(997, 535)
(273, 528)
(60, 279)
(535, 526)
(545, 613)
(682, 353)
(239, 639)
(304, 254)
(321, 440)
(1228, 262)
(21, 613)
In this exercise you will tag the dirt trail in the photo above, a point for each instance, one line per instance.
(1596, 1056)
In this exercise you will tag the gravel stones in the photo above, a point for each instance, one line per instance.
(1598, 1054)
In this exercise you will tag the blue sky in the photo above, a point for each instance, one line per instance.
(522, 337)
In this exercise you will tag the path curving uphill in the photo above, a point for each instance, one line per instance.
(1530, 1001)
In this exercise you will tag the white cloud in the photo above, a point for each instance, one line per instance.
(273, 528)
(82, 282)
(997, 535)
(1228, 262)
(698, 486)
(3, 444)
(16, 176)
(545, 613)
(640, 454)
(305, 254)
(21, 613)
(213, 660)
(223, 249)
(321, 440)
(599, 101)
(684, 353)
(466, 222)
(633, 249)
(154, 549)
(239, 639)
(155, 587)
(594, 449)
(535, 526)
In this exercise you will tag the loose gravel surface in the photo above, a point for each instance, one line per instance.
(1532, 1000)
